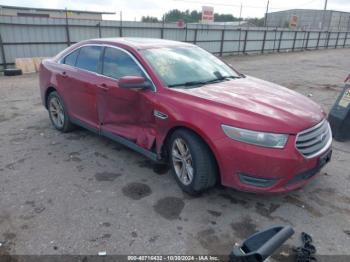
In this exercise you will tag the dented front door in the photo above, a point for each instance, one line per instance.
(127, 113)
(124, 112)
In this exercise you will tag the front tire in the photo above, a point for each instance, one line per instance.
(192, 162)
(58, 113)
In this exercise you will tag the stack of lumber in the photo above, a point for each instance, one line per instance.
(29, 65)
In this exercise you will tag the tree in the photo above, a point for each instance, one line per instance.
(174, 15)
(255, 21)
(149, 19)
(225, 18)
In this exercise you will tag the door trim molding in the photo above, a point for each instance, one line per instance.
(122, 140)
(126, 142)
(84, 125)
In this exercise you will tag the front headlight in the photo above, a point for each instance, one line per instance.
(256, 137)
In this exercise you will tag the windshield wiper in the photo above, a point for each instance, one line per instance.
(193, 83)
(229, 77)
(200, 83)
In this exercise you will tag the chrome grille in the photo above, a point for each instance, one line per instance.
(315, 140)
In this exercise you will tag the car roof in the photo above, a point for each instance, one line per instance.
(140, 42)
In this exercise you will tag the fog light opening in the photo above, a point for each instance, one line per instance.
(256, 181)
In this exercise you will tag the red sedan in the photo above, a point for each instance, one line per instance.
(175, 102)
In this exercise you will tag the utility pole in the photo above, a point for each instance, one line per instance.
(240, 15)
(67, 28)
(267, 10)
(121, 24)
(324, 14)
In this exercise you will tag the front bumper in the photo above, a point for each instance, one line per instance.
(258, 169)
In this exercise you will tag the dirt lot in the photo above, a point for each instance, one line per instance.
(78, 193)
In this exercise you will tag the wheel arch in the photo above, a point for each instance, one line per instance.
(48, 91)
(206, 140)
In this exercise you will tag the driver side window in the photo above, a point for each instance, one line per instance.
(117, 64)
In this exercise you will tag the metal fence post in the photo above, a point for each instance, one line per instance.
(264, 40)
(328, 36)
(307, 40)
(162, 28)
(302, 45)
(345, 38)
(3, 53)
(336, 42)
(279, 43)
(67, 29)
(318, 40)
(245, 42)
(195, 36)
(274, 41)
(222, 41)
(99, 30)
(239, 40)
(295, 38)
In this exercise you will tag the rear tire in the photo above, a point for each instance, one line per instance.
(58, 113)
(192, 162)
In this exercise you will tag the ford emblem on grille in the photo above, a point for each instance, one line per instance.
(322, 137)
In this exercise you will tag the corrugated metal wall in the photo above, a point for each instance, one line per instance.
(311, 19)
(43, 37)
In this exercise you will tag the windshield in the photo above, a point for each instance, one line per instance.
(187, 66)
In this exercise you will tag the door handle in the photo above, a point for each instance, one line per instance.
(64, 74)
(103, 86)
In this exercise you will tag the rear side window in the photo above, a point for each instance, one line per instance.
(71, 58)
(88, 58)
(117, 64)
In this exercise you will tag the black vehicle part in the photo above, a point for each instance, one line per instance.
(305, 253)
(261, 245)
(12, 72)
(339, 116)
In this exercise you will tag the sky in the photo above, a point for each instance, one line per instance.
(135, 9)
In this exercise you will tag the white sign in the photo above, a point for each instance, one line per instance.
(207, 14)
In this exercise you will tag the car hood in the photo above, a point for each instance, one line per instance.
(258, 105)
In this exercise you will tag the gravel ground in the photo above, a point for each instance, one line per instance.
(78, 193)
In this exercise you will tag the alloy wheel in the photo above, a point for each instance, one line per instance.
(182, 161)
(56, 112)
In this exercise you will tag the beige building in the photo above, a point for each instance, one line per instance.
(52, 13)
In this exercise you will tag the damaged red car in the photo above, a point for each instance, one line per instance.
(176, 102)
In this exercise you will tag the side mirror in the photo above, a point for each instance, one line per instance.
(133, 82)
